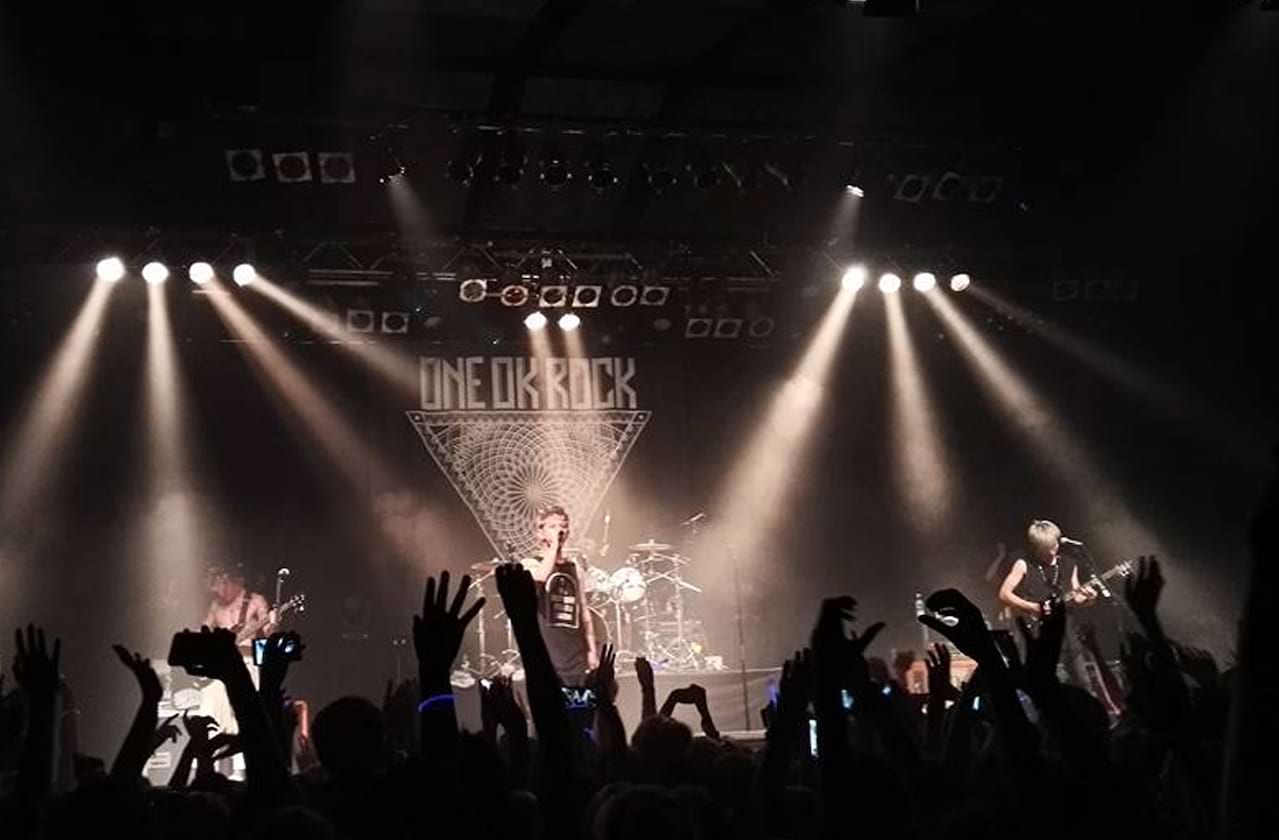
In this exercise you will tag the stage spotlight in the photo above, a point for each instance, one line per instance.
(473, 290)
(433, 322)
(728, 327)
(553, 297)
(200, 273)
(663, 324)
(555, 172)
(570, 321)
(925, 281)
(292, 167)
(336, 167)
(761, 327)
(535, 321)
(854, 278)
(245, 165)
(889, 283)
(655, 295)
(395, 323)
(624, 295)
(698, 327)
(110, 269)
(587, 297)
(513, 294)
(959, 282)
(359, 320)
(854, 190)
(705, 176)
(244, 274)
(661, 176)
(155, 272)
(461, 171)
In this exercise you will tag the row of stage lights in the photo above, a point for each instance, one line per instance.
(112, 269)
(855, 277)
(567, 322)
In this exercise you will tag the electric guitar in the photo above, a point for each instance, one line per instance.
(248, 631)
(1095, 582)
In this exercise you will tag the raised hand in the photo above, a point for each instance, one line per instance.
(167, 731)
(1143, 588)
(140, 667)
(199, 727)
(644, 672)
(795, 688)
(280, 650)
(518, 591)
(956, 618)
(937, 662)
(35, 667)
(604, 677)
(438, 631)
(506, 708)
(903, 660)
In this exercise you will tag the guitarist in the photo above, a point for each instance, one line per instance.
(1046, 581)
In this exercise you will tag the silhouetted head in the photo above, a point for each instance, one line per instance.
(349, 737)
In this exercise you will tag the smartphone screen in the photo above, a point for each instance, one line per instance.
(812, 737)
(259, 648)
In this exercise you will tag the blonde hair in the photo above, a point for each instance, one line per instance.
(1042, 538)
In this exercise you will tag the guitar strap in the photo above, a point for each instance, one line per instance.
(244, 610)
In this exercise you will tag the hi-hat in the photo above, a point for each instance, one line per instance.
(650, 546)
(486, 565)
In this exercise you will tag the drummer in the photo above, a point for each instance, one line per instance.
(562, 613)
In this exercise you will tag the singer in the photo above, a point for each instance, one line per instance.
(566, 624)
(1047, 576)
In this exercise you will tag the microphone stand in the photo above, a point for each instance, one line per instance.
(741, 636)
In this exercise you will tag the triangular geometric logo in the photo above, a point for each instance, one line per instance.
(507, 464)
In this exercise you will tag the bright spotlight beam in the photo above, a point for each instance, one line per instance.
(889, 283)
(535, 321)
(570, 321)
(244, 274)
(200, 273)
(36, 450)
(922, 469)
(110, 269)
(854, 278)
(773, 459)
(1216, 429)
(300, 400)
(1048, 437)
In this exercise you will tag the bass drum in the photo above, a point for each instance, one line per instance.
(627, 584)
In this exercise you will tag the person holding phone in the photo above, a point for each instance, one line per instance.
(561, 592)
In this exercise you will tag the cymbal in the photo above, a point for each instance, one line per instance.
(650, 546)
(487, 565)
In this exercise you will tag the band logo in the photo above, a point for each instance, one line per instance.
(516, 383)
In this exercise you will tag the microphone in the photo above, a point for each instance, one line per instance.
(1068, 541)
(283, 572)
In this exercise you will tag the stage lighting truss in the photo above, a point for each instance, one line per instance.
(514, 295)
(655, 295)
(587, 297)
(553, 297)
(555, 171)
(292, 167)
(360, 320)
(624, 295)
(336, 167)
(473, 290)
(245, 165)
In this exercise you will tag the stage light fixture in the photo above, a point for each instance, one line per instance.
(200, 273)
(959, 282)
(854, 278)
(395, 322)
(949, 186)
(535, 321)
(473, 290)
(514, 294)
(433, 322)
(624, 295)
(987, 189)
(155, 272)
(728, 327)
(244, 274)
(360, 320)
(854, 190)
(662, 324)
(925, 281)
(553, 297)
(587, 297)
(698, 327)
(655, 295)
(460, 171)
(555, 172)
(336, 167)
(761, 327)
(570, 321)
(661, 176)
(110, 269)
(889, 283)
(292, 167)
(706, 176)
(912, 187)
(245, 165)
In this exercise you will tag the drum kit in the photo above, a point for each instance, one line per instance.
(639, 607)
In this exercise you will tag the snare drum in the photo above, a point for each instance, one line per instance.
(627, 584)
